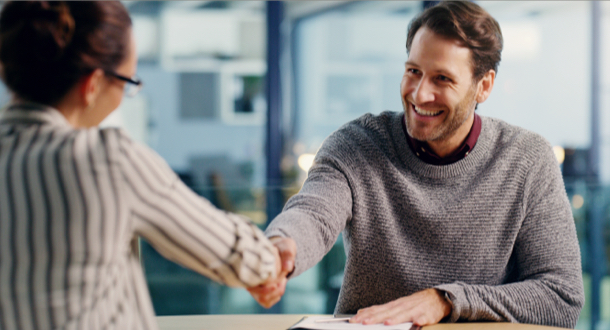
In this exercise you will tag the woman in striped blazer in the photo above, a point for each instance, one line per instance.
(73, 195)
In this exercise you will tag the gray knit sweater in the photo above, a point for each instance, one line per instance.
(493, 230)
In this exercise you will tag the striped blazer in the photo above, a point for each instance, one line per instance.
(70, 202)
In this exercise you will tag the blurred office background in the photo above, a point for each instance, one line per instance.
(239, 95)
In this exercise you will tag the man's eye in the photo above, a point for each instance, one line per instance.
(413, 71)
(443, 78)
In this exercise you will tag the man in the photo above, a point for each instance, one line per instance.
(446, 215)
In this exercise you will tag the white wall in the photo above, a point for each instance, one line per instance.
(544, 87)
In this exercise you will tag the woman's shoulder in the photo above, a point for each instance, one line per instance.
(111, 140)
(132, 154)
(117, 140)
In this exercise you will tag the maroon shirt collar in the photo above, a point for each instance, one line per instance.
(423, 152)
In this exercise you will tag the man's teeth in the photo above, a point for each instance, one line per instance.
(425, 112)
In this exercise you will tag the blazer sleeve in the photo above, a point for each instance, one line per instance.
(187, 228)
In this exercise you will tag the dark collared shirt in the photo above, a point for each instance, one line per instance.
(425, 153)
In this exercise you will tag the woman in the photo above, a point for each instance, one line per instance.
(72, 195)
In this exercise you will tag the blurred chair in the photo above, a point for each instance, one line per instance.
(223, 181)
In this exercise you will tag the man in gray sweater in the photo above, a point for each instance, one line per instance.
(446, 215)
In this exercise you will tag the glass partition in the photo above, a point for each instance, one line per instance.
(204, 113)
(203, 110)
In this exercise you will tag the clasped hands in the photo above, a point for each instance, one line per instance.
(270, 292)
(425, 307)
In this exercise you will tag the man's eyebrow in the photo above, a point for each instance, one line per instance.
(446, 73)
(449, 74)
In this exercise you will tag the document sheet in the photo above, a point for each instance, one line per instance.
(321, 323)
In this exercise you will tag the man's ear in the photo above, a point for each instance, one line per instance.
(485, 85)
(91, 85)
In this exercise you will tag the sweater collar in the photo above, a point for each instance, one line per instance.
(425, 153)
(462, 167)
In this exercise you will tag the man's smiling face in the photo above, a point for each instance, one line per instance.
(437, 89)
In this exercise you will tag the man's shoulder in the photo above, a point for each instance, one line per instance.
(362, 135)
(374, 128)
(507, 137)
(369, 123)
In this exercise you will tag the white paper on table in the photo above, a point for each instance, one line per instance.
(310, 323)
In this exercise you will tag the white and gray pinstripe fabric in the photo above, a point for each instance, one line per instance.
(70, 202)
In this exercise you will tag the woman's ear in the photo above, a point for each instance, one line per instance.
(90, 88)
(485, 85)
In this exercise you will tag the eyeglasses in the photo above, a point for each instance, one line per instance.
(133, 85)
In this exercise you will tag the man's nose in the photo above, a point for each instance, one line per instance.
(424, 92)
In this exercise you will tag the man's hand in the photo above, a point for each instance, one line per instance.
(422, 308)
(270, 292)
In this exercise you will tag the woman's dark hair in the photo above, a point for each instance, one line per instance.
(47, 46)
(468, 23)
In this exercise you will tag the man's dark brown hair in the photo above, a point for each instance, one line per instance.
(468, 23)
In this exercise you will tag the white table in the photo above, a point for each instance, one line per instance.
(284, 321)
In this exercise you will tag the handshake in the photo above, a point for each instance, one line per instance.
(272, 290)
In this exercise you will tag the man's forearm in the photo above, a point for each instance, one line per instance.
(532, 301)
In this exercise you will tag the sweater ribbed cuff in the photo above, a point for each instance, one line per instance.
(273, 232)
(457, 296)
